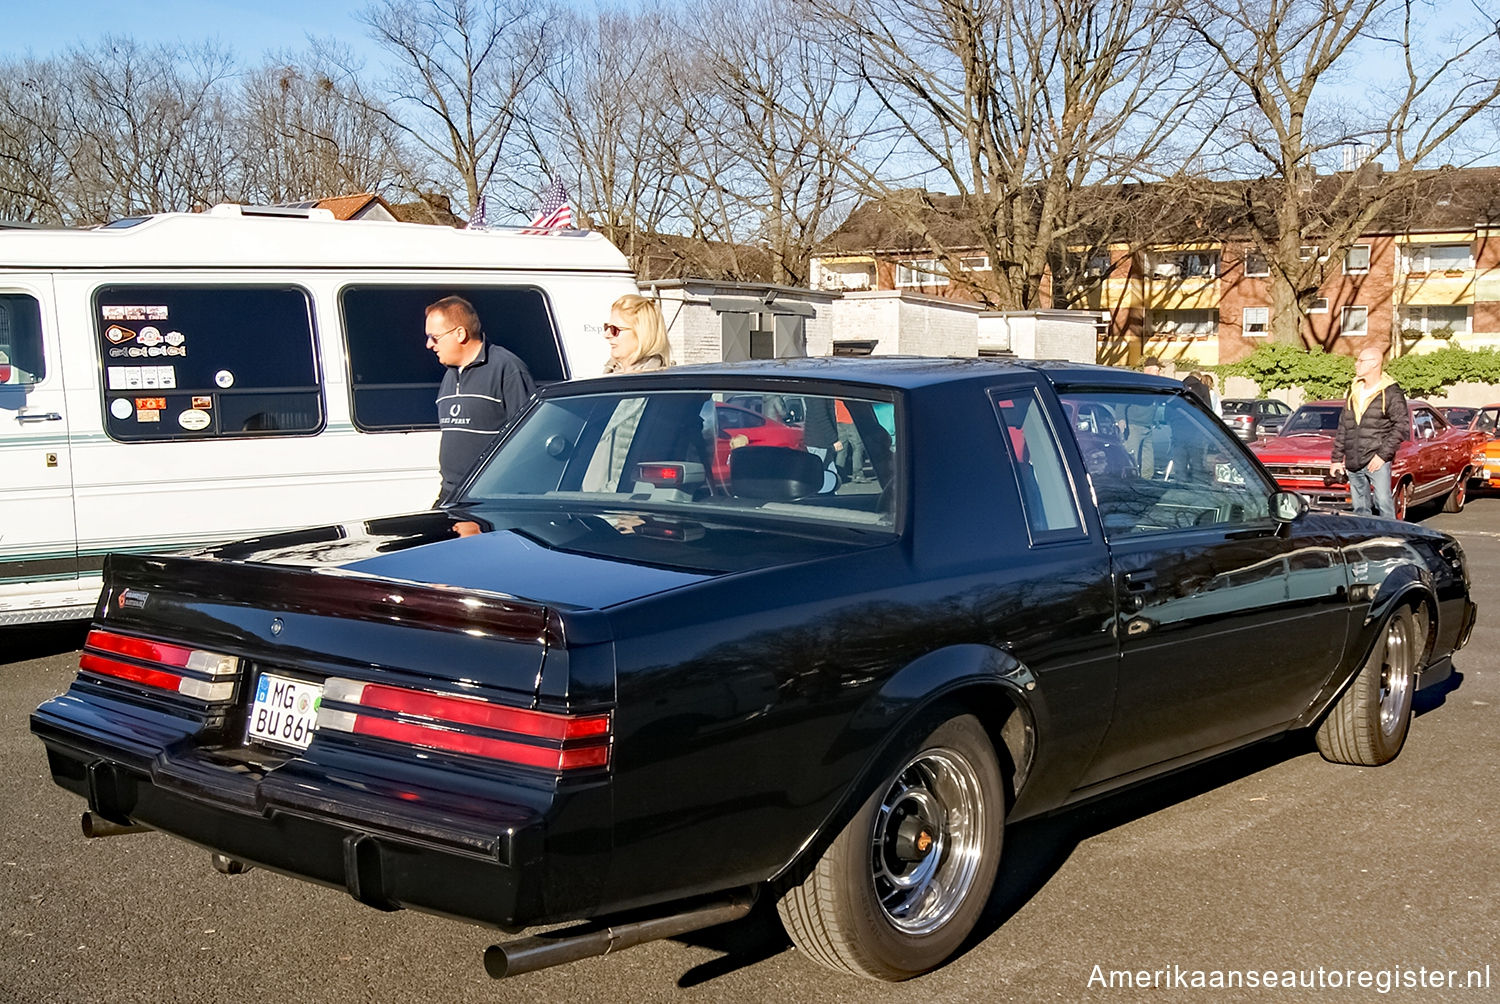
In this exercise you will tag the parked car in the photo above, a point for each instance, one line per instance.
(1435, 461)
(642, 699)
(1251, 418)
(1487, 457)
(1461, 417)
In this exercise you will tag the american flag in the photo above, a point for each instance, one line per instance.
(477, 221)
(556, 213)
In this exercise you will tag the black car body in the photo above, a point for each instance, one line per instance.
(639, 690)
(1251, 418)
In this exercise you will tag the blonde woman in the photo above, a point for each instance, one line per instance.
(636, 335)
(637, 342)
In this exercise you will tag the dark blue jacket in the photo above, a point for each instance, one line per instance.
(474, 404)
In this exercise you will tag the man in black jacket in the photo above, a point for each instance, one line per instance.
(484, 388)
(1371, 429)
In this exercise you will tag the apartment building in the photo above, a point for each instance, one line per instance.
(1425, 274)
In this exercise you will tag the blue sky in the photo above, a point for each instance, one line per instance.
(249, 27)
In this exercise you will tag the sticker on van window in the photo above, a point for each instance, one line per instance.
(120, 408)
(193, 420)
(148, 377)
(152, 415)
(149, 336)
(117, 334)
(117, 312)
(174, 338)
(224, 378)
(203, 402)
(151, 403)
(166, 377)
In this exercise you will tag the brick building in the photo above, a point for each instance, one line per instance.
(1426, 273)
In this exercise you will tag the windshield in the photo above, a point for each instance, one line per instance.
(1322, 418)
(710, 453)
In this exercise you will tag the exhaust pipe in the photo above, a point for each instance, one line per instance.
(587, 941)
(95, 825)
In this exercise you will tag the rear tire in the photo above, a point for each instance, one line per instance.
(1368, 725)
(1459, 495)
(903, 884)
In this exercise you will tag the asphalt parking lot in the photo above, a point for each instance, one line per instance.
(1269, 860)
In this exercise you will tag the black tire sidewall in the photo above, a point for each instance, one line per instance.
(887, 949)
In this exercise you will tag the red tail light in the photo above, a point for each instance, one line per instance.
(206, 676)
(466, 725)
(4, 372)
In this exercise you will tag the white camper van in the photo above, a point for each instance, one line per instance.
(175, 380)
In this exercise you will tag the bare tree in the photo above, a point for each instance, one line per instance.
(1286, 56)
(773, 120)
(33, 163)
(465, 75)
(143, 128)
(1019, 105)
(308, 129)
(608, 126)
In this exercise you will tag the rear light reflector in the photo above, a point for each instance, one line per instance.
(465, 725)
(202, 675)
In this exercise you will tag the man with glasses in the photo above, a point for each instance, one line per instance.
(484, 388)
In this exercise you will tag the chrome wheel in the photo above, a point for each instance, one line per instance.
(927, 840)
(1396, 673)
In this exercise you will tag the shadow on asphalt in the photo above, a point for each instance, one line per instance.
(23, 644)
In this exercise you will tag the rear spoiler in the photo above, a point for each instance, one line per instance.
(131, 580)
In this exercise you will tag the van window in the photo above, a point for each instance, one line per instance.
(394, 376)
(199, 362)
(21, 359)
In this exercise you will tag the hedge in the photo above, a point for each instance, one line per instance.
(1274, 366)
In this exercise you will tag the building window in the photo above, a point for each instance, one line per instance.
(1185, 264)
(922, 272)
(1438, 321)
(762, 336)
(1257, 321)
(1319, 305)
(1185, 323)
(1097, 266)
(1308, 252)
(1256, 264)
(1357, 260)
(975, 263)
(1438, 257)
(1355, 321)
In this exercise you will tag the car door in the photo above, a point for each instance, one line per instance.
(1430, 457)
(37, 538)
(1218, 640)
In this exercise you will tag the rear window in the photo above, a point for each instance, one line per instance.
(696, 454)
(1237, 407)
(201, 362)
(394, 377)
(1308, 419)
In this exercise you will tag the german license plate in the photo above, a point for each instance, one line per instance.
(284, 711)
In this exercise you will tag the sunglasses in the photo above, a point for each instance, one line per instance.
(613, 330)
(437, 338)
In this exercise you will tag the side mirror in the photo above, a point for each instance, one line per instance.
(1287, 506)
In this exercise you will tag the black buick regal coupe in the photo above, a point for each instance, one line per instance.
(649, 666)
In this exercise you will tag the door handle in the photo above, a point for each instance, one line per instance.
(44, 416)
(1140, 582)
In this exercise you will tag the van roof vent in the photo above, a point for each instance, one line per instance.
(284, 212)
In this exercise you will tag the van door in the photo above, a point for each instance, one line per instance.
(38, 542)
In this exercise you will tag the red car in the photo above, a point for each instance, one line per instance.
(1435, 461)
(742, 427)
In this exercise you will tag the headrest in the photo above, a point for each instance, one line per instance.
(774, 473)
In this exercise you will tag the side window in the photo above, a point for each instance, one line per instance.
(1046, 491)
(394, 377)
(1422, 424)
(21, 358)
(1169, 468)
(202, 362)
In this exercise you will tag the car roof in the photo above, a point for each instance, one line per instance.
(900, 372)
